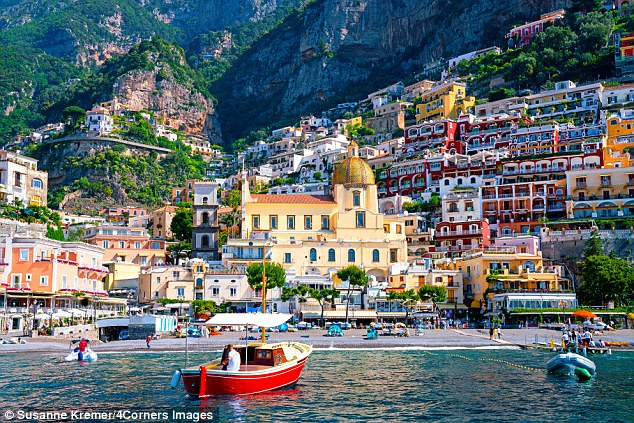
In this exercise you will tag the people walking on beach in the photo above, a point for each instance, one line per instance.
(147, 340)
(491, 332)
(495, 333)
(499, 333)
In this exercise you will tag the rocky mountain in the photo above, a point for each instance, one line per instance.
(343, 49)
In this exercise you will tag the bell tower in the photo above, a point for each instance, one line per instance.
(205, 227)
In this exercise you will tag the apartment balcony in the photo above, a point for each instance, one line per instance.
(630, 182)
(580, 185)
(457, 233)
(606, 184)
(510, 172)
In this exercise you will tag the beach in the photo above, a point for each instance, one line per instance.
(354, 338)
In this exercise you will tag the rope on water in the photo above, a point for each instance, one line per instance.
(496, 360)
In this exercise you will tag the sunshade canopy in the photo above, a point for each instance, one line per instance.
(253, 319)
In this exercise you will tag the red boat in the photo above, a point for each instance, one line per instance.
(263, 367)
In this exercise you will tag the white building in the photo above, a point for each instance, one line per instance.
(20, 180)
(98, 121)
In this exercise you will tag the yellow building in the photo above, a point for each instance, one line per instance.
(446, 101)
(521, 272)
(317, 235)
(175, 282)
(600, 193)
(620, 139)
(122, 276)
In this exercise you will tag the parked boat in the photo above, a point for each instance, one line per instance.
(80, 352)
(570, 364)
(263, 367)
(372, 333)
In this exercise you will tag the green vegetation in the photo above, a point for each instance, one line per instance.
(275, 275)
(575, 48)
(182, 223)
(425, 206)
(144, 178)
(355, 277)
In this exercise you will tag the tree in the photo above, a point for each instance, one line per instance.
(55, 232)
(322, 296)
(182, 223)
(584, 6)
(594, 245)
(433, 293)
(275, 275)
(298, 293)
(404, 298)
(73, 116)
(606, 279)
(355, 277)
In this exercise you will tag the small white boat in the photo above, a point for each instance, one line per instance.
(76, 355)
(568, 363)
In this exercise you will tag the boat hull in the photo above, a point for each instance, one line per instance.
(86, 356)
(221, 382)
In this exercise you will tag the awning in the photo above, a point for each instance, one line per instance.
(451, 306)
(423, 315)
(341, 314)
(243, 319)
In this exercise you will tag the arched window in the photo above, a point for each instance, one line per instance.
(205, 218)
(529, 265)
(331, 254)
(356, 198)
(204, 241)
(375, 256)
(313, 254)
(351, 256)
(205, 200)
(37, 183)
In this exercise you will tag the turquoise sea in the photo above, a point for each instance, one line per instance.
(337, 386)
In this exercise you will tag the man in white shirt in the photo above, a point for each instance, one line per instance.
(234, 360)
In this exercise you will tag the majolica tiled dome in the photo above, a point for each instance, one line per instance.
(353, 170)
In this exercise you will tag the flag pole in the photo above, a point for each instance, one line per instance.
(264, 293)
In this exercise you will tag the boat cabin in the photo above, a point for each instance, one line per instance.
(264, 355)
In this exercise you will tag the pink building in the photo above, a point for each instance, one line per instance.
(523, 34)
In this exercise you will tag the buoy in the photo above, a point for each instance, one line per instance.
(175, 379)
(582, 374)
(202, 391)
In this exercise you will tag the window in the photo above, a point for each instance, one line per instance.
(308, 222)
(331, 254)
(399, 229)
(205, 218)
(215, 292)
(360, 220)
(176, 274)
(204, 241)
(287, 258)
(37, 183)
(351, 255)
(290, 222)
(325, 222)
(233, 292)
(273, 221)
(143, 261)
(356, 198)
(180, 292)
(386, 229)
(313, 254)
(156, 245)
(24, 255)
(64, 282)
(375, 256)
(393, 255)
(43, 280)
(137, 245)
(121, 244)
(256, 221)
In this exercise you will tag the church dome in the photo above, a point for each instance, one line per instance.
(353, 170)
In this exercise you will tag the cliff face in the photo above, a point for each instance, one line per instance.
(336, 46)
(176, 104)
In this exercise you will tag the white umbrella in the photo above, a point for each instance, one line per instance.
(61, 314)
(78, 312)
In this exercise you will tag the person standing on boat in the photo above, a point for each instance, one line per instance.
(147, 340)
(234, 360)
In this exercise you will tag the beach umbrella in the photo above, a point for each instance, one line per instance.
(584, 314)
(61, 314)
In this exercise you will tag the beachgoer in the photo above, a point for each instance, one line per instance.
(234, 360)
(499, 333)
(495, 333)
(147, 340)
(83, 344)
(491, 332)
(602, 343)
(564, 340)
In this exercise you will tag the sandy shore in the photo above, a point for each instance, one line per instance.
(449, 338)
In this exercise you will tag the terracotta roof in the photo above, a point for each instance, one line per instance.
(293, 199)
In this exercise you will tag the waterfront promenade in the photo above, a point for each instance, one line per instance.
(445, 338)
